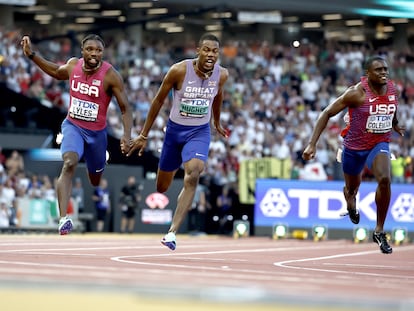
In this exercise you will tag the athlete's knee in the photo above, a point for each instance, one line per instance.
(191, 178)
(69, 164)
(384, 181)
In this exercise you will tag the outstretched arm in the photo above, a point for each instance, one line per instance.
(59, 72)
(351, 97)
(173, 76)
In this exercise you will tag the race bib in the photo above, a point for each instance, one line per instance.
(379, 123)
(83, 110)
(196, 108)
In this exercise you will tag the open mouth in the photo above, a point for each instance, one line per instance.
(209, 63)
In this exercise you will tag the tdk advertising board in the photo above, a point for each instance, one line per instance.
(302, 204)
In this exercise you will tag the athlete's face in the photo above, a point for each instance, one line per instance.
(377, 73)
(92, 52)
(208, 54)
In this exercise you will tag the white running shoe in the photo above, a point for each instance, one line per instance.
(169, 240)
(65, 225)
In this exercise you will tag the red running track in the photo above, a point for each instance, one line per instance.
(327, 274)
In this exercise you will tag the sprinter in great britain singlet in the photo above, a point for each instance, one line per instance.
(192, 103)
(189, 122)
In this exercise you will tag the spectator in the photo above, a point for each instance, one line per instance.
(78, 194)
(14, 163)
(102, 204)
(224, 208)
(4, 214)
(129, 201)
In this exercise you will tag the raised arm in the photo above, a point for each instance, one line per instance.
(59, 72)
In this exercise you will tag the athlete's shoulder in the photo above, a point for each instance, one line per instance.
(180, 65)
(353, 90)
(178, 70)
(354, 95)
(73, 60)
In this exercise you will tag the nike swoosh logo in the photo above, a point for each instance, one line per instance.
(191, 82)
(199, 154)
(100, 170)
(76, 76)
(371, 100)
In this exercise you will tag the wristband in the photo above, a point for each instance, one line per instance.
(143, 137)
(31, 55)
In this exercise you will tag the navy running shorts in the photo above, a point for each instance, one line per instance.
(353, 161)
(183, 143)
(89, 145)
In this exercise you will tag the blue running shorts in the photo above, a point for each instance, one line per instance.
(89, 145)
(183, 143)
(353, 161)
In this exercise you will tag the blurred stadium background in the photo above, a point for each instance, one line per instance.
(272, 49)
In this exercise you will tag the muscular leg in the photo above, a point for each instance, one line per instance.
(64, 182)
(164, 180)
(193, 169)
(352, 183)
(382, 172)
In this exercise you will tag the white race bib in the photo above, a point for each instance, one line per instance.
(83, 110)
(379, 123)
(196, 108)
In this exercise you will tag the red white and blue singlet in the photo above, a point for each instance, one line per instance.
(371, 123)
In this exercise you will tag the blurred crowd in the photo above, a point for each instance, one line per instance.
(274, 94)
(16, 182)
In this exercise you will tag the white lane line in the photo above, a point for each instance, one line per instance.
(75, 249)
(57, 254)
(289, 264)
(408, 268)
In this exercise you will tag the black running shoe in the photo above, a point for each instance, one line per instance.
(381, 239)
(351, 206)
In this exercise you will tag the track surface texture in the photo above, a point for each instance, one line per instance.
(106, 272)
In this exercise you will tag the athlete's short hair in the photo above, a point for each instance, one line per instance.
(370, 60)
(208, 36)
(92, 37)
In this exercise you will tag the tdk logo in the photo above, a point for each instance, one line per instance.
(403, 208)
(329, 204)
(275, 203)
